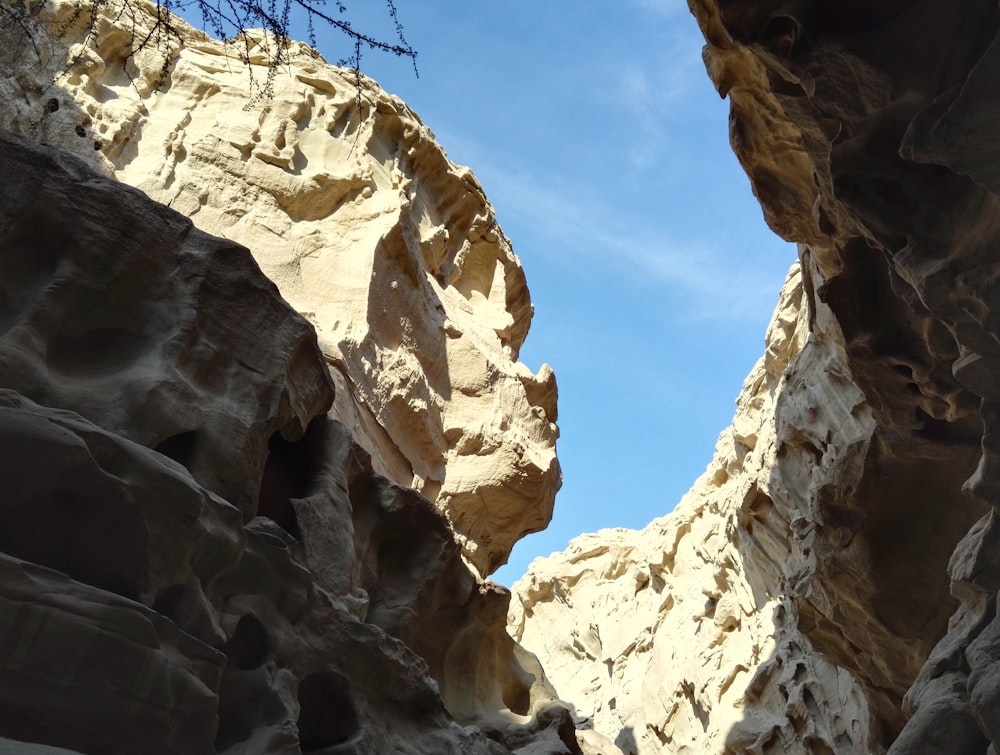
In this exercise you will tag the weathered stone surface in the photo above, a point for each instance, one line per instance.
(113, 323)
(975, 565)
(685, 637)
(348, 204)
(14, 747)
(867, 131)
(59, 639)
(797, 600)
(881, 106)
(192, 554)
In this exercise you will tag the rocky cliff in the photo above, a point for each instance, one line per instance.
(227, 525)
(830, 583)
(235, 524)
(193, 552)
(350, 206)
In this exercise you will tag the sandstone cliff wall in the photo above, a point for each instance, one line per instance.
(684, 637)
(834, 601)
(195, 558)
(228, 526)
(350, 206)
(179, 499)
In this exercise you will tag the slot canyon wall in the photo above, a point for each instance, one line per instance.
(269, 484)
(251, 497)
(350, 206)
(830, 583)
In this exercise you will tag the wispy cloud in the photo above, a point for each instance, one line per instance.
(647, 93)
(661, 8)
(713, 277)
(629, 130)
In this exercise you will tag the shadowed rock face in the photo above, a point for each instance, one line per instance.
(868, 131)
(827, 585)
(193, 556)
(117, 330)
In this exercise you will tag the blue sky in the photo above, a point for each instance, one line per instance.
(598, 137)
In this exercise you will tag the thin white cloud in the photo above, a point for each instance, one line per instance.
(646, 94)
(707, 280)
(661, 8)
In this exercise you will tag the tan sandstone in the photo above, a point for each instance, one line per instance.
(348, 203)
(830, 584)
(194, 557)
(681, 637)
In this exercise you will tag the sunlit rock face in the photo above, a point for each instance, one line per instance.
(684, 636)
(349, 205)
(194, 557)
(197, 556)
(838, 561)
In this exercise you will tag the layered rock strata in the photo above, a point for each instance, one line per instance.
(194, 557)
(391, 251)
(827, 541)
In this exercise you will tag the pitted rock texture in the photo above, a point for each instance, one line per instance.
(685, 637)
(863, 527)
(862, 129)
(194, 557)
(348, 204)
(117, 329)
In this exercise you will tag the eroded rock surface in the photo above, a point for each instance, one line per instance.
(194, 557)
(684, 637)
(827, 540)
(346, 201)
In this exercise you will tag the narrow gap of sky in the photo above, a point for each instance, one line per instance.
(601, 142)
